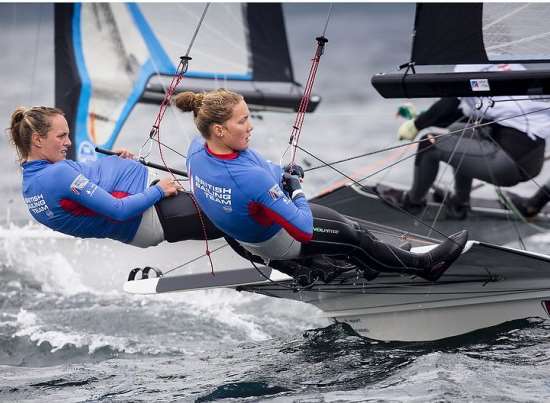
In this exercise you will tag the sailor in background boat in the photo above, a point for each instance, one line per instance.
(264, 208)
(107, 198)
(503, 153)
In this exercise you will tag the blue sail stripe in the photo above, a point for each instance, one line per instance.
(145, 74)
(158, 60)
(158, 54)
(81, 131)
(218, 76)
(161, 58)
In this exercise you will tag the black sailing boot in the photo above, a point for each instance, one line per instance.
(440, 258)
(529, 207)
(400, 198)
(454, 208)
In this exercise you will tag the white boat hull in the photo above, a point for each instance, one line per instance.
(487, 286)
(435, 317)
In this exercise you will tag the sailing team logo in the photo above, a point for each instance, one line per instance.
(79, 183)
(480, 84)
(86, 152)
(275, 192)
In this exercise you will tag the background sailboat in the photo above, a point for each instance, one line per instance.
(108, 54)
(496, 33)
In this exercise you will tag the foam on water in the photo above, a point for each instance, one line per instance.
(30, 326)
(260, 317)
(32, 249)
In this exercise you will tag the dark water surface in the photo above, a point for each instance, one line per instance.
(69, 333)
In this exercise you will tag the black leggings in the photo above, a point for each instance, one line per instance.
(337, 236)
(333, 235)
(476, 153)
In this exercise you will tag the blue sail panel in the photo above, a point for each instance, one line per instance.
(106, 54)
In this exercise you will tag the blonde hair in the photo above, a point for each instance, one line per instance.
(213, 107)
(25, 122)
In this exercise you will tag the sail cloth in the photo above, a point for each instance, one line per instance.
(106, 54)
(474, 33)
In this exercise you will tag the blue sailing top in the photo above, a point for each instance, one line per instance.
(241, 194)
(99, 199)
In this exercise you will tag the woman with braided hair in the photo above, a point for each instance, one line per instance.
(263, 207)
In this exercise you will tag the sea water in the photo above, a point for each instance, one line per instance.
(69, 333)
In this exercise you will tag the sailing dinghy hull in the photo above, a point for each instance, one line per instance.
(488, 285)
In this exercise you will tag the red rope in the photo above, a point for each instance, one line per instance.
(155, 132)
(304, 102)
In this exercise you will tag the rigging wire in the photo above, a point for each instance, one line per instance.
(328, 19)
(381, 150)
(509, 205)
(357, 182)
(304, 102)
(154, 134)
(514, 223)
(183, 65)
(195, 259)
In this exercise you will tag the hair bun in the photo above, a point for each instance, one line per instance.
(18, 115)
(188, 101)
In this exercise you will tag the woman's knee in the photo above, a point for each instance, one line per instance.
(506, 179)
(331, 226)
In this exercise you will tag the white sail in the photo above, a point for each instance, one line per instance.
(106, 54)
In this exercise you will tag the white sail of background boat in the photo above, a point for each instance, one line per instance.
(111, 56)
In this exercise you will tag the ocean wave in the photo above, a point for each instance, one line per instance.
(33, 251)
(26, 340)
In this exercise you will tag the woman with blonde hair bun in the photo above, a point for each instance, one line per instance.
(107, 198)
(263, 207)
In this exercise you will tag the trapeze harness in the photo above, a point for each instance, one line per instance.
(108, 198)
(503, 153)
(241, 194)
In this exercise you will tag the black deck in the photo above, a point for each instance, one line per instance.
(487, 221)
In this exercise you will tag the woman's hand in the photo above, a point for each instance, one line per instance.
(291, 183)
(169, 186)
(294, 169)
(124, 153)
